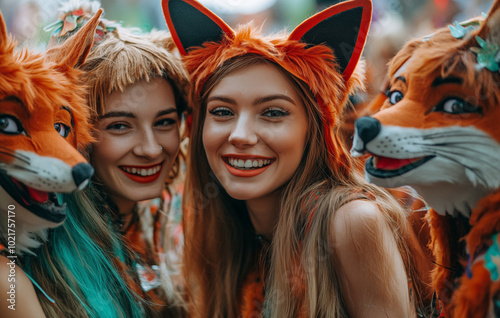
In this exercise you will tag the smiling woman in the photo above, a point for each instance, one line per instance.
(137, 97)
(137, 145)
(266, 120)
(277, 222)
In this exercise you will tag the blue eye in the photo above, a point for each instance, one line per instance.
(62, 129)
(10, 125)
(394, 96)
(221, 112)
(275, 112)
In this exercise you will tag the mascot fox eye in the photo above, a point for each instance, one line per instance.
(450, 105)
(456, 105)
(394, 96)
(62, 129)
(10, 125)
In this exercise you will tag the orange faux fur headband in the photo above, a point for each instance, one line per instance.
(323, 51)
(314, 65)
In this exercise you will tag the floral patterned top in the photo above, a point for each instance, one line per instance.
(155, 236)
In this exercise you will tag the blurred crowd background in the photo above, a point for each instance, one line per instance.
(394, 21)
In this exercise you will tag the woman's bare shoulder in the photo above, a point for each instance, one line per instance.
(18, 298)
(357, 218)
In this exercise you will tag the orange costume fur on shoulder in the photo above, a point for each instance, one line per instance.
(438, 132)
(43, 121)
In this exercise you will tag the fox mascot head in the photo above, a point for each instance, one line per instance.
(43, 121)
(438, 131)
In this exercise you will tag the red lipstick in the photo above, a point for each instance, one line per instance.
(139, 178)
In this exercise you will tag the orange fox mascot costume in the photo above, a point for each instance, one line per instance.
(438, 131)
(43, 118)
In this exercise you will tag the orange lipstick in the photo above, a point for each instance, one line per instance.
(258, 164)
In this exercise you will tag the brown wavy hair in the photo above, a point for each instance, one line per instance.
(220, 245)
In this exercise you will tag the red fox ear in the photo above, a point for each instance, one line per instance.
(73, 52)
(3, 32)
(191, 24)
(343, 28)
(490, 29)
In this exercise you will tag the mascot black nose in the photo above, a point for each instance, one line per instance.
(367, 128)
(81, 173)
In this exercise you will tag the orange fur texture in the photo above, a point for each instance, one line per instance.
(474, 294)
(41, 91)
(43, 122)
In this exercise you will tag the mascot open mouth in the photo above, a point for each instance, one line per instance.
(384, 167)
(43, 204)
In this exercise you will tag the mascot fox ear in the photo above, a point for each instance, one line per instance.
(343, 28)
(490, 29)
(73, 52)
(3, 33)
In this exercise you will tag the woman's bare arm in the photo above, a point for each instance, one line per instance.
(374, 281)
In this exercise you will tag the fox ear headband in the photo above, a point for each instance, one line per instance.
(322, 51)
(342, 27)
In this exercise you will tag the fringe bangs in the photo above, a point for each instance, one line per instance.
(123, 58)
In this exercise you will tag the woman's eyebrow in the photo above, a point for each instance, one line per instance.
(117, 114)
(221, 98)
(265, 99)
(166, 111)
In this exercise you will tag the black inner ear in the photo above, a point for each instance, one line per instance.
(192, 26)
(339, 32)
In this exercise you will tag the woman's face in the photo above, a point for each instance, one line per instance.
(254, 132)
(138, 140)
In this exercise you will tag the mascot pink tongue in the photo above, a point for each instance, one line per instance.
(37, 195)
(386, 163)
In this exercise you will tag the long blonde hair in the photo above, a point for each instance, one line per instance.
(220, 247)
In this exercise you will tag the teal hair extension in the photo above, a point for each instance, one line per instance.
(84, 263)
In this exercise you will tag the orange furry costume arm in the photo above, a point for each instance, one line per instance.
(480, 288)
